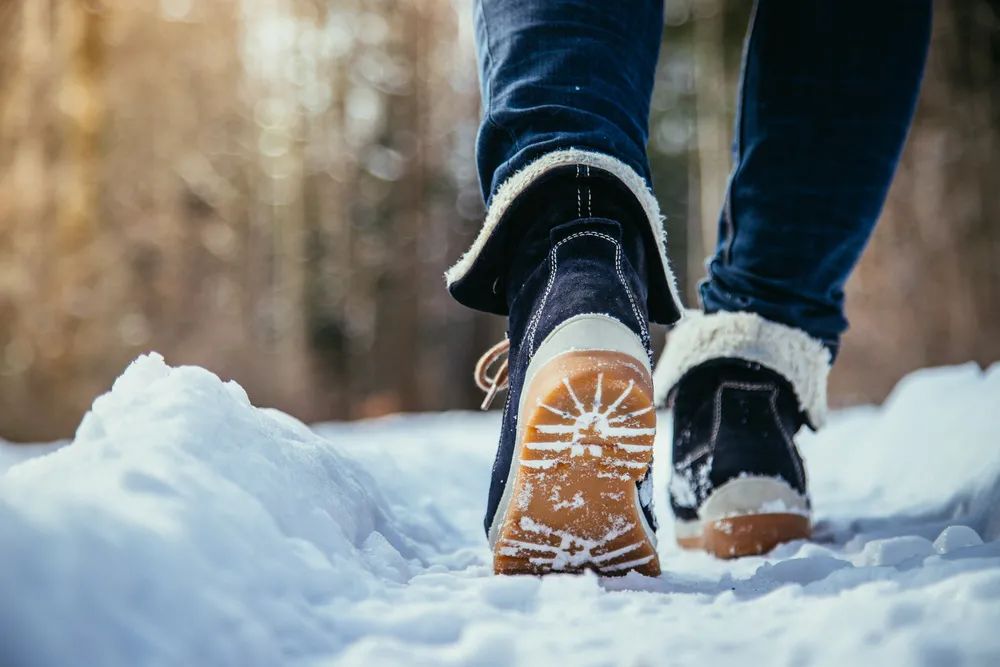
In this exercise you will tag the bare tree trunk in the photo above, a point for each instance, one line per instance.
(412, 219)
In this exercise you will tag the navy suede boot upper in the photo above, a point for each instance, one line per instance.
(585, 265)
(732, 419)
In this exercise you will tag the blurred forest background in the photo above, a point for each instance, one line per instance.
(273, 188)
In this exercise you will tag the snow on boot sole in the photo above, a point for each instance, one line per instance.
(737, 519)
(586, 428)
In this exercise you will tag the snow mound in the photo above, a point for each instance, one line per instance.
(184, 526)
(929, 456)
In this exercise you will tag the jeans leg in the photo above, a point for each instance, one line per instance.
(827, 95)
(561, 74)
(566, 87)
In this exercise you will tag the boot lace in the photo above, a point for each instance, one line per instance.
(491, 372)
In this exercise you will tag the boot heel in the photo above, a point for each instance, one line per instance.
(753, 534)
(747, 517)
(586, 427)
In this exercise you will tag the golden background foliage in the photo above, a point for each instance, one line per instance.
(272, 189)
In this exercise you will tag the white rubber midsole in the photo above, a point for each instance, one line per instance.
(590, 331)
(753, 495)
(744, 496)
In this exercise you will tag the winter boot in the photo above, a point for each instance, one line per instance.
(740, 388)
(571, 485)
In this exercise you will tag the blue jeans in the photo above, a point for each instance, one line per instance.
(827, 93)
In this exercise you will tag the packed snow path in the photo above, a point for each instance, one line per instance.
(184, 527)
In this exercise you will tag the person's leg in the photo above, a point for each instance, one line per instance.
(572, 251)
(565, 84)
(564, 74)
(827, 96)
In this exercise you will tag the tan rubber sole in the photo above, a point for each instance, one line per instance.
(586, 438)
(748, 535)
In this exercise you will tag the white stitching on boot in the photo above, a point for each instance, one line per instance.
(772, 398)
(590, 209)
(579, 207)
(553, 267)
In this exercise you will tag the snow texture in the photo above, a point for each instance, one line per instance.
(182, 526)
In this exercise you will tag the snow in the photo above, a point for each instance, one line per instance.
(11, 453)
(183, 526)
(956, 537)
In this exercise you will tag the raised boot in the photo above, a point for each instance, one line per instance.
(577, 442)
(572, 252)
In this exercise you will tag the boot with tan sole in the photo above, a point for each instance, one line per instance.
(740, 388)
(572, 252)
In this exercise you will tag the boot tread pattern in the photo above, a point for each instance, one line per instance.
(586, 440)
